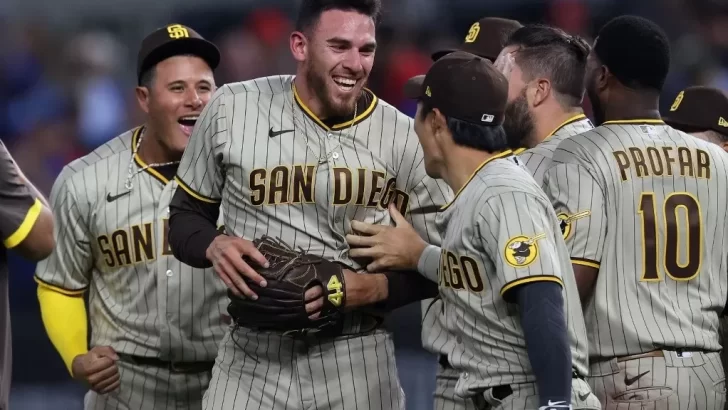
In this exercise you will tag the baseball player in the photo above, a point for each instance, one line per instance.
(701, 112)
(648, 247)
(485, 38)
(545, 68)
(509, 294)
(26, 226)
(298, 158)
(155, 322)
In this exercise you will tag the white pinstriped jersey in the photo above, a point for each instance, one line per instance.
(499, 232)
(113, 242)
(647, 208)
(279, 171)
(538, 158)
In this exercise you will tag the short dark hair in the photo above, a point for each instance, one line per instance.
(490, 138)
(636, 51)
(310, 10)
(146, 78)
(552, 53)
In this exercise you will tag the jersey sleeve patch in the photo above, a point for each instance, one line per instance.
(565, 221)
(521, 251)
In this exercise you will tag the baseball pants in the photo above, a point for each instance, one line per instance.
(524, 396)
(266, 370)
(660, 380)
(445, 397)
(146, 387)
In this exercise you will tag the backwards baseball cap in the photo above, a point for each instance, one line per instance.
(486, 38)
(174, 40)
(463, 86)
(700, 108)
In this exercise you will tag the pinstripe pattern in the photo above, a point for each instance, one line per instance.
(632, 311)
(478, 267)
(538, 158)
(151, 388)
(142, 301)
(525, 397)
(445, 397)
(258, 180)
(669, 383)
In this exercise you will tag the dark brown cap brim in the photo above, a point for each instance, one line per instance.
(194, 46)
(413, 87)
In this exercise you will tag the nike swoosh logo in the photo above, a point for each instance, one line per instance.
(272, 133)
(584, 396)
(112, 198)
(629, 381)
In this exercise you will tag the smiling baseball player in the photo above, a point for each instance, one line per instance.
(298, 158)
(155, 322)
(510, 299)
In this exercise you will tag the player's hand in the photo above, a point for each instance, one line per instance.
(226, 254)
(390, 248)
(505, 63)
(98, 369)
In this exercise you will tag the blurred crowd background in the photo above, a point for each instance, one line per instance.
(67, 78)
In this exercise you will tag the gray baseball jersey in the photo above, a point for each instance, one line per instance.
(647, 208)
(19, 210)
(538, 158)
(112, 241)
(500, 232)
(280, 171)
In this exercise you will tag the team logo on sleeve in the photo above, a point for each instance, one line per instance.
(565, 221)
(521, 250)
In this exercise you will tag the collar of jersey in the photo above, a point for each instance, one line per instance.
(571, 120)
(365, 112)
(635, 121)
(503, 154)
(140, 162)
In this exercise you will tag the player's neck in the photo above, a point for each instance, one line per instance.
(308, 97)
(152, 151)
(460, 165)
(633, 105)
(550, 121)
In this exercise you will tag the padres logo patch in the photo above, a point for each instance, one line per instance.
(565, 221)
(521, 250)
(473, 33)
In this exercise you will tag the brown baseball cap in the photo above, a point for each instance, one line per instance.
(699, 108)
(463, 86)
(486, 38)
(173, 40)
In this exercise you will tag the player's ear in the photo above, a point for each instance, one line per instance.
(142, 96)
(724, 145)
(540, 91)
(601, 77)
(299, 46)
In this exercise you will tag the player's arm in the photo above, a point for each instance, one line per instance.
(64, 276)
(577, 197)
(193, 234)
(516, 232)
(26, 222)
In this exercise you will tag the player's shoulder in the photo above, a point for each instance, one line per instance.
(504, 175)
(106, 156)
(270, 85)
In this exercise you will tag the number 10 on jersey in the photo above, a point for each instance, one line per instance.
(680, 218)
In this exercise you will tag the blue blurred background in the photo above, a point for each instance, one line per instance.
(66, 86)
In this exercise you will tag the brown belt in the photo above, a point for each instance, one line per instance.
(654, 353)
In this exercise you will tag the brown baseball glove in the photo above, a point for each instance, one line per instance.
(281, 304)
